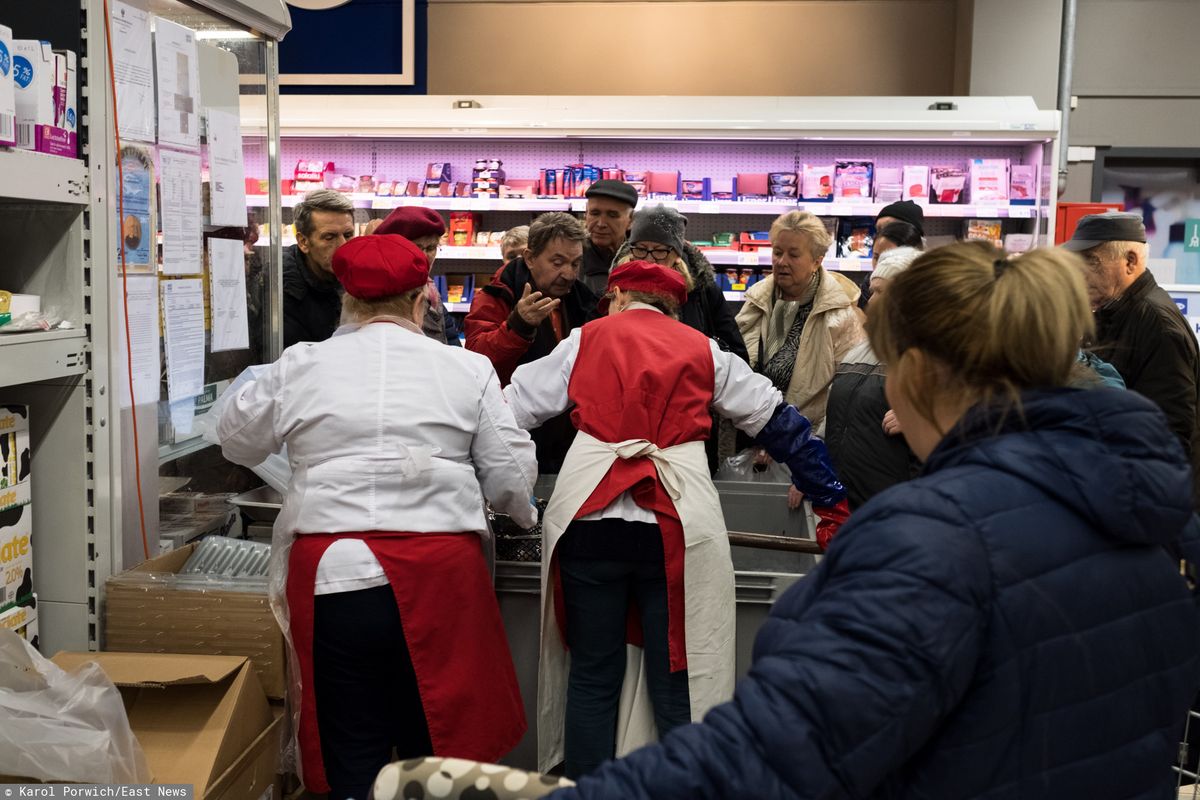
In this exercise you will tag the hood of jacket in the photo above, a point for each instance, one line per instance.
(1105, 453)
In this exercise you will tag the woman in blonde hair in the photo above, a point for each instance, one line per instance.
(1011, 623)
(799, 322)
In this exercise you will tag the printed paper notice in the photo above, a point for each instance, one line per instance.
(178, 84)
(133, 68)
(227, 174)
(181, 223)
(227, 285)
(143, 355)
(138, 231)
(183, 323)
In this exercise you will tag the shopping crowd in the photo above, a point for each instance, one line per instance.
(1008, 611)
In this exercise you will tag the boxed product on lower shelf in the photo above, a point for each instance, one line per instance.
(16, 556)
(153, 609)
(200, 720)
(23, 621)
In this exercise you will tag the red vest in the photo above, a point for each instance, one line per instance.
(642, 375)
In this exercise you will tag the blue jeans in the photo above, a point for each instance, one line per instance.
(596, 593)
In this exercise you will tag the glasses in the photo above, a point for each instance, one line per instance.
(658, 254)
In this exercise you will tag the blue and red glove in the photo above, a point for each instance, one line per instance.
(829, 520)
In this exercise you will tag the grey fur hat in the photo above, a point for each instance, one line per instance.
(660, 224)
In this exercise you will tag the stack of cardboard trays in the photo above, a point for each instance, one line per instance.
(18, 604)
(200, 720)
(151, 608)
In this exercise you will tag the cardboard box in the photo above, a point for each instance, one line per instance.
(33, 72)
(201, 720)
(22, 620)
(15, 455)
(8, 89)
(16, 556)
(144, 615)
(66, 94)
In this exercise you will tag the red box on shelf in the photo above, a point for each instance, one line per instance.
(750, 242)
(462, 228)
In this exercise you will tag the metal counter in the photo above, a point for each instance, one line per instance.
(760, 577)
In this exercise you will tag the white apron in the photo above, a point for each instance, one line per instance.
(707, 580)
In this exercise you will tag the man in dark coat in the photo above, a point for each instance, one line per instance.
(1139, 329)
(312, 296)
(533, 303)
(609, 214)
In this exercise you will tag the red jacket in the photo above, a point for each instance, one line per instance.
(494, 330)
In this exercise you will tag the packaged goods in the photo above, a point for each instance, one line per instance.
(437, 171)
(889, 186)
(662, 184)
(14, 446)
(23, 621)
(461, 232)
(817, 183)
(857, 238)
(947, 184)
(33, 75)
(752, 185)
(1022, 185)
(989, 180)
(697, 189)
(916, 183)
(16, 557)
(65, 100)
(8, 90)
(1018, 242)
(985, 230)
(852, 180)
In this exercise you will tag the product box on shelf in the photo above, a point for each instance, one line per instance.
(461, 232)
(853, 180)
(66, 113)
(23, 621)
(697, 189)
(817, 183)
(665, 185)
(783, 185)
(8, 89)
(916, 183)
(753, 241)
(1022, 185)
(201, 720)
(989, 181)
(15, 454)
(947, 184)
(310, 174)
(752, 186)
(33, 74)
(857, 238)
(889, 184)
(16, 556)
(1018, 242)
(146, 611)
(984, 230)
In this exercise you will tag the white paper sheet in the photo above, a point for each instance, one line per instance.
(133, 68)
(183, 323)
(227, 174)
(179, 178)
(183, 414)
(178, 72)
(143, 330)
(227, 288)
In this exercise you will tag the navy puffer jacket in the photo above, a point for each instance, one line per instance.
(1010, 624)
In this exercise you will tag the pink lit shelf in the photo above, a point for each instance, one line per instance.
(864, 209)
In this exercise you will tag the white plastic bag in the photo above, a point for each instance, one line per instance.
(741, 467)
(275, 470)
(59, 726)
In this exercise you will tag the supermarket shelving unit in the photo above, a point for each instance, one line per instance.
(58, 228)
(717, 137)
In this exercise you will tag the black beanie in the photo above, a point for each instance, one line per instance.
(905, 211)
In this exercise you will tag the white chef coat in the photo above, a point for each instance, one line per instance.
(354, 409)
(538, 392)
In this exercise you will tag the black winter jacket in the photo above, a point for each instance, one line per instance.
(312, 308)
(1144, 335)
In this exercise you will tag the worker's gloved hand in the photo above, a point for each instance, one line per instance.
(829, 520)
(788, 439)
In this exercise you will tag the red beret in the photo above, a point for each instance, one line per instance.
(645, 276)
(371, 267)
(412, 222)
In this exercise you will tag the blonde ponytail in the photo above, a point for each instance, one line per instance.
(991, 327)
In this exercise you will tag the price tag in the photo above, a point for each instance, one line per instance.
(748, 259)
(383, 202)
(987, 211)
(735, 296)
(1020, 212)
(460, 204)
(862, 211)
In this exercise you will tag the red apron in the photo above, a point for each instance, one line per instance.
(454, 633)
(659, 388)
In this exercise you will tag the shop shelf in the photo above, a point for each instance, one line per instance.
(457, 308)
(41, 356)
(762, 258)
(43, 178)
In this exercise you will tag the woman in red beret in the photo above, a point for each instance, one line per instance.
(424, 228)
(378, 575)
(635, 514)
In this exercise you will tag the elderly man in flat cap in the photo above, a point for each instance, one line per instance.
(1139, 329)
(378, 576)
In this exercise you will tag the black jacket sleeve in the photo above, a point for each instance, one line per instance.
(1168, 378)
(725, 329)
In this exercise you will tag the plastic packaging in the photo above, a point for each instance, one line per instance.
(60, 726)
(742, 467)
(35, 321)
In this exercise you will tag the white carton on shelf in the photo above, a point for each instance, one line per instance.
(33, 73)
(16, 556)
(8, 89)
(23, 620)
(65, 101)
(15, 455)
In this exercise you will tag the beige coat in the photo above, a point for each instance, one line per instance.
(833, 328)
